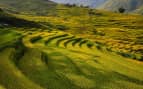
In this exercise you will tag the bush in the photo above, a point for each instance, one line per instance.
(90, 44)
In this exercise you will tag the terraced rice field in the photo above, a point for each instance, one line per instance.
(59, 60)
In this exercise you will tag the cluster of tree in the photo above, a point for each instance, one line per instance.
(121, 10)
(73, 5)
(70, 5)
(91, 12)
(84, 6)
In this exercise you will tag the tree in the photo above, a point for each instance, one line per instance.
(121, 10)
(91, 12)
(70, 5)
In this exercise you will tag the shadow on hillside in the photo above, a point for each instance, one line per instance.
(7, 20)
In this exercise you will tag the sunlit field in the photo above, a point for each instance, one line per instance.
(76, 48)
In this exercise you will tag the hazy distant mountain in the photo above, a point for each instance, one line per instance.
(91, 3)
(139, 10)
(114, 5)
(111, 5)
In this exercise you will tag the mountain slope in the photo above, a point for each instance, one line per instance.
(59, 60)
(8, 20)
(80, 49)
(39, 7)
(114, 5)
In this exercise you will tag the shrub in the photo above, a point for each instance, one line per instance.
(90, 44)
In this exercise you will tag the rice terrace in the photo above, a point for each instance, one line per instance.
(77, 44)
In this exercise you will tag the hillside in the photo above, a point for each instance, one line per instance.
(29, 6)
(9, 20)
(114, 5)
(76, 48)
